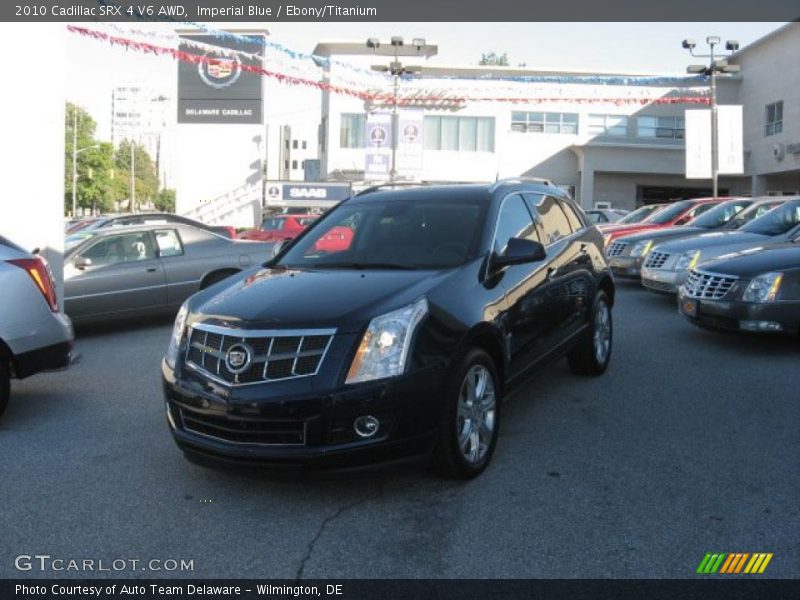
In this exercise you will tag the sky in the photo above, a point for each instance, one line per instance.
(94, 67)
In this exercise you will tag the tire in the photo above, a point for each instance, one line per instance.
(475, 372)
(215, 277)
(5, 385)
(592, 353)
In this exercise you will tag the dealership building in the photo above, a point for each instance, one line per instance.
(616, 138)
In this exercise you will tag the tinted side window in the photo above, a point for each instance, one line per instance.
(121, 248)
(169, 244)
(574, 220)
(551, 220)
(514, 220)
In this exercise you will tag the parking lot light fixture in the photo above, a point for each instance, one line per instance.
(396, 69)
(717, 64)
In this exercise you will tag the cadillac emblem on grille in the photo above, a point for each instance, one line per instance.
(238, 358)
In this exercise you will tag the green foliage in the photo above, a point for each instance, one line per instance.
(146, 178)
(165, 200)
(493, 59)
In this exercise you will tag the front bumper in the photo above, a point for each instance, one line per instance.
(663, 280)
(779, 318)
(627, 267)
(293, 428)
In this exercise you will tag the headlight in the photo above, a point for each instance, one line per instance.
(688, 260)
(642, 248)
(177, 334)
(384, 348)
(763, 288)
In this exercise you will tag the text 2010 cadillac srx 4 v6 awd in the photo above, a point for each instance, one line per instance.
(400, 344)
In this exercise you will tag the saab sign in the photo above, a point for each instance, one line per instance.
(282, 193)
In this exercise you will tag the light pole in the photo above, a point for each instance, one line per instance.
(75, 153)
(396, 49)
(714, 66)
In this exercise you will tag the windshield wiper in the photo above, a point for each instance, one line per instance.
(360, 266)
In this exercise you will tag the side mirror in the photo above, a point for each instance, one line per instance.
(81, 262)
(519, 251)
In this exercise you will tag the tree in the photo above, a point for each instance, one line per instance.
(491, 58)
(165, 200)
(145, 176)
(93, 162)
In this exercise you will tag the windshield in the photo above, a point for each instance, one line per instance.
(668, 213)
(777, 221)
(719, 215)
(640, 214)
(751, 212)
(412, 233)
(76, 238)
(273, 223)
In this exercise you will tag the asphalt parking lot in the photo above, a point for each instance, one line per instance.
(689, 444)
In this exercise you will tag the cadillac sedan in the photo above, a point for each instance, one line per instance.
(668, 264)
(145, 269)
(747, 291)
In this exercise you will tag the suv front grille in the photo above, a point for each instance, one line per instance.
(245, 356)
(616, 248)
(656, 260)
(711, 286)
(245, 430)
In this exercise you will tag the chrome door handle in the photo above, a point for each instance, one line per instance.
(552, 272)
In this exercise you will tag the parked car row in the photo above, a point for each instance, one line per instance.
(735, 267)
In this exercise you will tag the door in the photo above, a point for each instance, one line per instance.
(118, 273)
(563, 255)
(525, 316)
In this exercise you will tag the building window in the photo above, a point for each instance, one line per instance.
(774, 118)
(462, 134)
(294, 165)
(351, 133)
(610, 125)
(287, 144)
(294, 144)
(544, 122)
(304, 145)
(286, 165)
(673, 128)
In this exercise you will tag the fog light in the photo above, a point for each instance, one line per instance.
(760, 326)
(366, 426)
(169, 417)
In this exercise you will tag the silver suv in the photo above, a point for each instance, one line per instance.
(35, 335)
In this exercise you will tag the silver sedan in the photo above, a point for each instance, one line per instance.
(143, 269)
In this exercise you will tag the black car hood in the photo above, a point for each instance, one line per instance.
(312, 299)
(748, 263)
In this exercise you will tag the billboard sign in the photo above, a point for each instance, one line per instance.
(409, 144)
(290, 193)
(378, 139)
(219, 88)
(730, 147)
(698, 144)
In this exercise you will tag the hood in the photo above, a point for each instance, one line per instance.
(664, 232)
(749, 262)
(710, 240)
(310, 299)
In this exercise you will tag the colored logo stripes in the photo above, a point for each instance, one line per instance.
(734, 562)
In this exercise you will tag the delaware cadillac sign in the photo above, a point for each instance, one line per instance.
(218, 87)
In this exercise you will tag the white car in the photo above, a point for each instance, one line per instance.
(35, 334)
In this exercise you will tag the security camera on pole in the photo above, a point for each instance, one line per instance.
(717, 65)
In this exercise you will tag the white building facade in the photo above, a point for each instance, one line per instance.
(610, 139)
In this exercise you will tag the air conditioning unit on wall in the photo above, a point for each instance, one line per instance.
(778, 151)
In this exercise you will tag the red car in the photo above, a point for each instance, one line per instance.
(338, 239)
(279, 228)
(677, 213)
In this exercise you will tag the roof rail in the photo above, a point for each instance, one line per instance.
(380, 186)
(521, 179)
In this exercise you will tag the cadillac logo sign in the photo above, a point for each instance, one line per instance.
(238, 358)
(218, 70)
